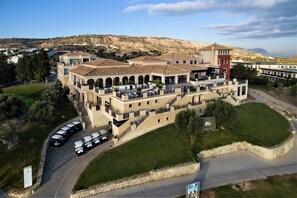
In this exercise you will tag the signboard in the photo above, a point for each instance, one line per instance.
(208, 123)
(27, 176)
(193, 190)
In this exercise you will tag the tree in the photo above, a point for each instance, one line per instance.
(280, 89)
(293, 90)
(11, 107)
(25, 68)
(43, 112)
(189, 123)
(269, 85)
(224, 113)
(7, 71)
(42, 66)
(239, 71)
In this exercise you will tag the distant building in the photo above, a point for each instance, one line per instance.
(71, 60)
(270, 69)
(217, 55)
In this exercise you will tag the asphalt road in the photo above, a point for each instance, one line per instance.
(63, 166)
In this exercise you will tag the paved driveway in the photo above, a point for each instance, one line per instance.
(63, 166)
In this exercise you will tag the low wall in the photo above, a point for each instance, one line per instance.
(178, 170)
(39, 177)
(263, 152)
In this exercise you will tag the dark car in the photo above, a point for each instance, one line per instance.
(77, 125)
(72, 128)
(57, 140)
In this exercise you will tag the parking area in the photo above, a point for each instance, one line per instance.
(63, 166)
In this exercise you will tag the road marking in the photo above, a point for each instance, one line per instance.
(63, 180)
(103, 149)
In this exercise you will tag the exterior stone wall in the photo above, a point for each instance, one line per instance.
(263, 152)
(39, 177)
(181, 169)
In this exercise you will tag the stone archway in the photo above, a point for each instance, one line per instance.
(108, 82)
(91, 83)
(99, 83)
(146, 79)
(125, 80)
(140, 79)
(132, 80)
(116, 81)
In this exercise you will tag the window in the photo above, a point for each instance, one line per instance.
(195, 62)
(184, 62)
(167, 118)
(139, 104)
(176, 62)
(156, 101)
(191, 62)
(66, 72)
(159, 120)
(130, 105)
(148, 102)
(243, 90)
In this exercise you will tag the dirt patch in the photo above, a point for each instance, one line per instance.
(208, 194)
(245, 186)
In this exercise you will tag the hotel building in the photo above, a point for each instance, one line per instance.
(148, 92)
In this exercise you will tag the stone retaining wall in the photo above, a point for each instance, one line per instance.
(178, 170)
(263, 152)
(39, 177)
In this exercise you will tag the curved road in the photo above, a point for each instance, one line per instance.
(63, 167)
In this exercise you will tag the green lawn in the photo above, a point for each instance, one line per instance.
(163, 147)
(31, 136)
(261, 125)
(277, 186)
(257, 124)
(29, 93)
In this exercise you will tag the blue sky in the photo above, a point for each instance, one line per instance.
(268, 24)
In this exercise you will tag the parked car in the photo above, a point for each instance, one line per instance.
(79, 147)
(63, 133)
(95, 138)
(68, 130)
(103, 135)
(72, 128)
(88, 142)
(77, 125)
(57, 140)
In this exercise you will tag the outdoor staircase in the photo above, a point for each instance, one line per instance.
(84, 115)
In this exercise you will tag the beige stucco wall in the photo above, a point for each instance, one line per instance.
(97, 118)
(154, 175)
(263, 152)
(123, 107)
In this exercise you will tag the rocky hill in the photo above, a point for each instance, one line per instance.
(121, 44)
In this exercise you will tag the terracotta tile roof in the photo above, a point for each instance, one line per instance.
(147, 59)
(101, 62)
(136, 69)
(170, 56)
(71, 54)
(216, 47)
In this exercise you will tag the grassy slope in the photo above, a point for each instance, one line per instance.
(257, 124)
(276, 186)
(164, 147)
(260, 124)
(29, 93)
(31, 135)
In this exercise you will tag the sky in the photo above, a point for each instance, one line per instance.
(268, 24)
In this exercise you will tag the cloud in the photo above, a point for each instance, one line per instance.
(270, 18)
(191, 7)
